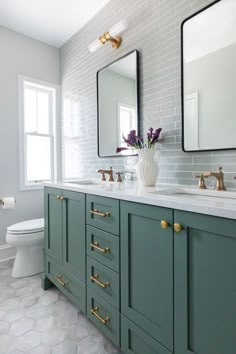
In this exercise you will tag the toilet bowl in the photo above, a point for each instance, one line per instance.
(28, 238)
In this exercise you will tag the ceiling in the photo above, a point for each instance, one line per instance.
(50, 21)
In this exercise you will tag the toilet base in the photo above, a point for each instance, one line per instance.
(28, 261)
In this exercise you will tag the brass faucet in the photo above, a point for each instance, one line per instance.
(219, 179)
(109, 172)
(201, 182)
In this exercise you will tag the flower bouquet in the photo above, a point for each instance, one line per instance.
(146, 168)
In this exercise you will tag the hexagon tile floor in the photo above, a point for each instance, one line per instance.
(34, 321)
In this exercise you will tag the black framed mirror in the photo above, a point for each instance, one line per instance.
(208, 51)
(117, 104)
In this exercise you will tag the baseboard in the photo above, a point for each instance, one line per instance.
(7, 252)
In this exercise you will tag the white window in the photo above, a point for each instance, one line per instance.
(37, 104)
(126, 122)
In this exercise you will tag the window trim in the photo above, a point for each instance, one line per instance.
(53, 131)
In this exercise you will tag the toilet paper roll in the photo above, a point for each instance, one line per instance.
(8, 203)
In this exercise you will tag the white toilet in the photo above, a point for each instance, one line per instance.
(28, 238)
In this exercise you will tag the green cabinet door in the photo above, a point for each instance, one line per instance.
(205, 284)
(74, 233)
(147, 269)
(53, 223)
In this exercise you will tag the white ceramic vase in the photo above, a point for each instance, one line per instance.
(146, 168)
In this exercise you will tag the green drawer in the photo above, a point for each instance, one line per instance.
(104, 316)
(106, 250)
(103, 213)
(104, 282)
(67, 283)
(135, 341)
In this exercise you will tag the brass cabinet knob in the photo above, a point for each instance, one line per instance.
(58, 197)
(164, 224)
(62, 198)
(178, 227)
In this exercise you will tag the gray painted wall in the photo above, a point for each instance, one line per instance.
(25, 56)
(154, 30)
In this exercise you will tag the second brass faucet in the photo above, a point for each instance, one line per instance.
(109, 172)
(219, 179)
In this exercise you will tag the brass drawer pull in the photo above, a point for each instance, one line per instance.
(96, 246)
(178, 227)
(164, 224)
(94, 312)
(60, 281)
(96, 212)
(95, 280)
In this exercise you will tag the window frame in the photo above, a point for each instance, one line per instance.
(52, 134)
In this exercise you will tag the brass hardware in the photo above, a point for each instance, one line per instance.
(58, 197)
(219, 179)
(115, 41)
(95, 280)
(119, 179)
(201, 183)
(62, 198)
(96, 246)
(96, 212)
(103, 178)
(109, 172)
(60, 281)
(164, 224)
(178, 227)
(94, 312)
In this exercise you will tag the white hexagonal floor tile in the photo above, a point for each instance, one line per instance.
(4, 327)
(21, 326)
(91, 345)
(28, 341)
(48, 298)
(77, 332)
(23, 291)
(54, 336)
(28, 301)
(10, 304)
(41, 349)
(36, 311)
(44, 323)
(12, 316)
(66, 347)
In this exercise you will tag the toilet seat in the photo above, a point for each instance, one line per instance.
(26, 227)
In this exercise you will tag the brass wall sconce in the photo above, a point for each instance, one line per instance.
(109, 36)
(115, 42)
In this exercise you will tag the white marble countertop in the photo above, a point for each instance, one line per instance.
(207, 202)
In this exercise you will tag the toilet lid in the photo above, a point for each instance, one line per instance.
(29, 226)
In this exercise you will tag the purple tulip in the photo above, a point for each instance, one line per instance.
(149, 133)
(156, 135)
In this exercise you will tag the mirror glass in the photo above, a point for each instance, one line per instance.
(209, 78)
(117, 104)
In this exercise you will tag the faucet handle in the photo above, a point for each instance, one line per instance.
(119, 179)
(201, 183)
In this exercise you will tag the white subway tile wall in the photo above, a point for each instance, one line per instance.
(154, 30)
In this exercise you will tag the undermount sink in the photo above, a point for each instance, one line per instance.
(83, 182)
(197, 194)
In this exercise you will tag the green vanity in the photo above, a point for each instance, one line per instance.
(154, 279)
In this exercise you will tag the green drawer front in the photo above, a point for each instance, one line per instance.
(104, 282)
(136, 341)
(103, 206)
(73, 288)
(103, 311)
(108, 251)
